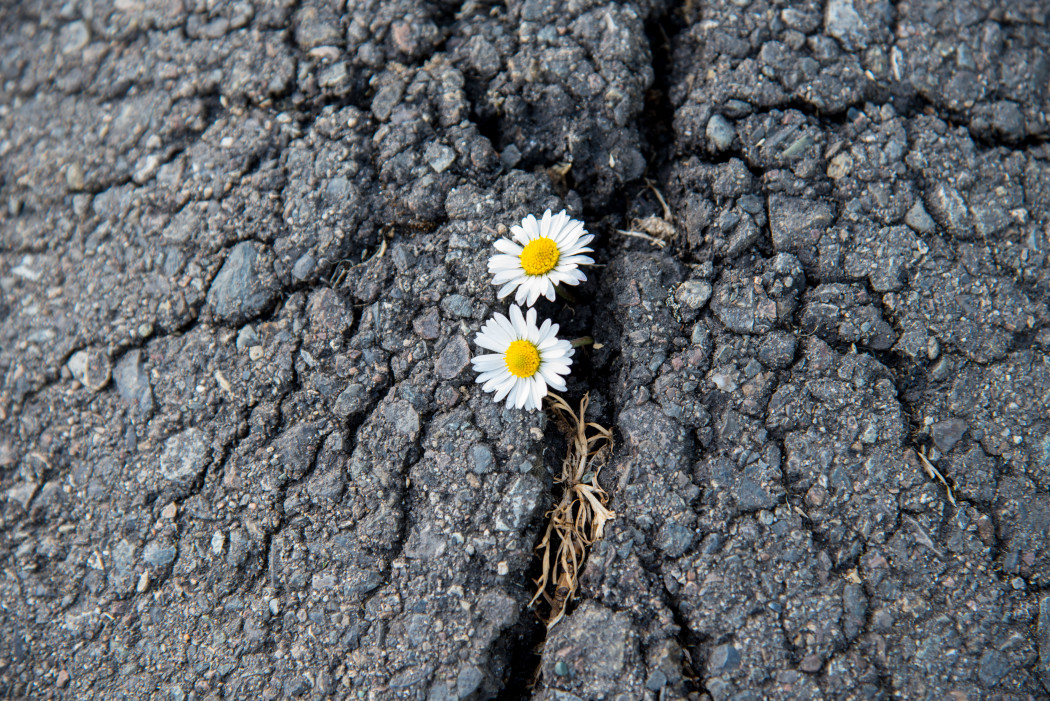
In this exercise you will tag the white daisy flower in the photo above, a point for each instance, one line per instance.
(544, 253)
(527, 358)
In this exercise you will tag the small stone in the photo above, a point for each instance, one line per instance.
(440, 157)
(950, 210)
(842, 21)
(946, 434)
(74, 36)
(313, 29)
(994, 666)
(457, 305)
(720, 132)
(170, 510)
(146, 168)
(778, 350)
(23, 492)
(157, 555)
(428, 324)
(275, 607)
(481, 458)
(797, 223)
(468, 680)
(724, 658)
(217, 541)
(245, 285)
(1008, 120)
(143, 584)
(255, 352)
(351, 400)
(656, 681)
(386, 98)
(674, 539)
(334, 76)
(518, 504)
(986, 529)
(840, 166)
(62, 679)
(919, 219)
(693, 294)
(502, 568)
(246, 338)
(185, 456)
(811, 663)
(816, 496)
(91, 368)
(133, 383)
(561, 669)
(81, 205)
(75, 177)
(454, 357)
(303, 267)
(510, 156)
(404, 417)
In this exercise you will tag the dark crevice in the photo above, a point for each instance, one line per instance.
(691, 645)
(523, 643)
(656, 122)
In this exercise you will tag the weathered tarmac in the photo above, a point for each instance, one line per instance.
(243, 255)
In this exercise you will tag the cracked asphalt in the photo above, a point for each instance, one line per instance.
(243, 254)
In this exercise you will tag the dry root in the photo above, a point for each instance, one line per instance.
(580, 516)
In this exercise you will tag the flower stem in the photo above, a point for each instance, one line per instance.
(583, 341)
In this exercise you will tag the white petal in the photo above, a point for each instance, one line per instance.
(544, 331)
(507, 327)
(504, 262)
(545, 224)
(550, 293)
(558, 367)
(489, 361)
(518, 320)
(505, 276)
(554, 380)
(539, 391)
(581, 242)
(533, 292)
(531, 227)
(508, 247)
(491, 342)
(549, 337)
(487, 377)
(507, 289)
(547, 344)
(521, 393)
(505, 389)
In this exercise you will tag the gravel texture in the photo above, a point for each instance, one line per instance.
(243, 257)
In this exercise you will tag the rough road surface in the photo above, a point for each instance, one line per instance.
(243, 256)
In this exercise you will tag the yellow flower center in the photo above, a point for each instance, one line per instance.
(522, 359)
(540, 256)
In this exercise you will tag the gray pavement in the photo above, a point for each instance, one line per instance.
(243, 256)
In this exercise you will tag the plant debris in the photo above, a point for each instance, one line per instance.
(578, 520)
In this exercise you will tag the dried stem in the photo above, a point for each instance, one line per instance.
(579, 518)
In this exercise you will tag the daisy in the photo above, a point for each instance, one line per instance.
(544, 253)
(527, 358)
